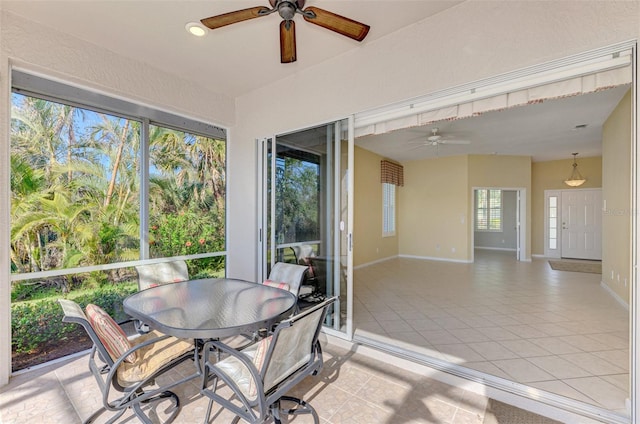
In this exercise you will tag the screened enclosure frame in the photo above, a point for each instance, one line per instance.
(27, 84)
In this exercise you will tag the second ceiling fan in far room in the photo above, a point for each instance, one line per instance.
(436, 138)
(287, 10)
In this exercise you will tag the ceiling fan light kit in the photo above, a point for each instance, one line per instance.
(287, 10)
(576, 179)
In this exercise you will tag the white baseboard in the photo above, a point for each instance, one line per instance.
(615, 295)
(424, 258)
(377, 261)
(505, 249)
(434, 258)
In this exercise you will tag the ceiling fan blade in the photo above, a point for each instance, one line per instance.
(419, 146)
(287, 42)
(340, 24)
(233, 17)
(445, 141)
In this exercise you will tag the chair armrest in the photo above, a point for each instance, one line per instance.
(236, 353)
(219, 347)
(111, 377)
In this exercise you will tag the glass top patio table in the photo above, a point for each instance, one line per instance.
(210, 307)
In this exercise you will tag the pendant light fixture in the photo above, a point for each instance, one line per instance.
(576, 179)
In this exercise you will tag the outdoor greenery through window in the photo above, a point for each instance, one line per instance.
(488, 210)
(77, 218)
(297, 184)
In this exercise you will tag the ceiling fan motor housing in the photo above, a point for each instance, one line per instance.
(286, 8)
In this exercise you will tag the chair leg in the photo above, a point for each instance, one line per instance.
(206, 381)
(304, 408)
(208, 414)
(137, 407)
(99, 412)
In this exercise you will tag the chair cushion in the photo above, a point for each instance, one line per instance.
(151, 358)
(109, 332)
(283, 286)
(239, 373)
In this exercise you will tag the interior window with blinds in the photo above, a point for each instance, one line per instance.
(391, 175)
(488, 210)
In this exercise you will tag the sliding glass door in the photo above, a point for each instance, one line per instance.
(305, 201)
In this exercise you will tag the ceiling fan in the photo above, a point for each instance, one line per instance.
(436, 139)
(287, 10)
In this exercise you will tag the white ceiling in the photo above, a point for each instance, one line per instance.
(239, 58)
(232, 60)
(545, 131)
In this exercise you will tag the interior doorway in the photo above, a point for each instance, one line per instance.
(573, 224)
(497, 222)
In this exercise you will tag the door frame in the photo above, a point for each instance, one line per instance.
(343, 186)
(521, 221)
(410, 111)
(557, 253)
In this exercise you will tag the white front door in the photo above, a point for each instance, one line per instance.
(582, 224)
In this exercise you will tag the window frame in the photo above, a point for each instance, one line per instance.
(388, 210)
(486, 227)
(67, 94)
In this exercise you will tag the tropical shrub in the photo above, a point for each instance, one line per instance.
(37, 322)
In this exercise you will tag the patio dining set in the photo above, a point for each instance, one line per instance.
(174, 319)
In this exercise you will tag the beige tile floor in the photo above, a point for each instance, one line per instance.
(352, 388)
(558, 331)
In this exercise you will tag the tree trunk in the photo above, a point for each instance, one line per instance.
(116, 164)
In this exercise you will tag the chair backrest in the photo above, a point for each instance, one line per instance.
(74, 313)
(302, 253)
(152, 275)
(293, 348)
(292, 274)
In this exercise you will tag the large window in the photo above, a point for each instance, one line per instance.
(74, 182)
(488, 210)
(186, 198)
(76, 189)
(99, 185)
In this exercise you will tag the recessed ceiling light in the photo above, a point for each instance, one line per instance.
(196, 28)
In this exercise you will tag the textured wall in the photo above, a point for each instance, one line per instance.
(616, 195)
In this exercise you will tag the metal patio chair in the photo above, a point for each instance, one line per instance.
(290, 274)
(285, 276)
(152, 275)
(129, 366)
(260, 375)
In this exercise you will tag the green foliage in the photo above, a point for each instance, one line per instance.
(30, 291)
(297, 187)
(75, 202)
(76, 177)
(37, 322)
(187, 234)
